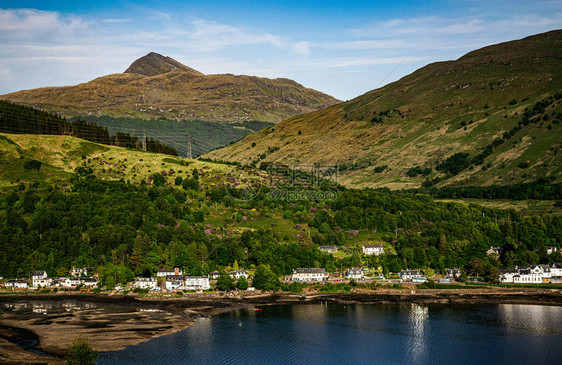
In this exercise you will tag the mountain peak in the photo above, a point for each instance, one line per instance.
(155, 64)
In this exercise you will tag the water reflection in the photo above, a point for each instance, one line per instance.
(535, 319)
(45, 307)
(417, 319)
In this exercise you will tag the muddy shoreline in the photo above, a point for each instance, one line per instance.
(137, 319)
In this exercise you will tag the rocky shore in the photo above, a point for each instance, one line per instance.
(112, 322)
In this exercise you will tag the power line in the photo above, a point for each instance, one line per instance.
(395, 67)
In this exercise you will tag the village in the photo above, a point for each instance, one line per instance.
(173, 280)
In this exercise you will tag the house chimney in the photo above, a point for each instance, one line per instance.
(176, 270)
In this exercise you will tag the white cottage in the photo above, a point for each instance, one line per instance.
(452, 273)
(355, 273)
(39, 278)
(70, 282)
(237, 274)
(146, 283)
(556, 269)
(410, 274)
(17, 284)
(81, 271)
(534, 274)
(506, 275)
(328, 249)
(310, 274)
(166, 272)
(375, 249)
(494, 251)
(197, 283)
(89, 281)
(175, 282)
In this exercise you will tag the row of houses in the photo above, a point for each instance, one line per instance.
(320, 274)
(40, 279)
(236, 274)
(534, 274)
(175, 282)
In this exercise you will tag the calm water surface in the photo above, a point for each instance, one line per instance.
(362, 334)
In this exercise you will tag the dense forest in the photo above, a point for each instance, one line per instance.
(22, 119)
(118, 227)
(542, 189)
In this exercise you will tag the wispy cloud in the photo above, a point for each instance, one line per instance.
(30, 23)
(209, 35)
(43, 48)
(117, 20)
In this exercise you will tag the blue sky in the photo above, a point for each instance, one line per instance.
(343, 48)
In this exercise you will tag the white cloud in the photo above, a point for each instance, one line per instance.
(117, 20)
(355, 62)
(365, 44)
(30, 23)
(301, 48)
(45, 48)
(211, 36)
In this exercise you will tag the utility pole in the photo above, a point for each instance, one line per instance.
(144, 139)
(189, 153)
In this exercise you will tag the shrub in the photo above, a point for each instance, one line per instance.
(455, 163)
(380, 168)
(32, 165)
(81, 353)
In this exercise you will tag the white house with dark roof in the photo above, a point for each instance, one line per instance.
(81, 271)
(166, 272)
(355, 273)
(175, 282)
(452, 273)
(146, 283)
(375, 249)
(551, 249)
(40, 278)
(556, 269)
(237, 274)
(17, 284)
(506, 275)
(494, 251)
(534, 274)
(197, 283)
(328, 249)
(410, 274)
(70, 282)
(89, 281)
(310, 274)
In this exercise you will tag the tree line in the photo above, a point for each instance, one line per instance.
(20, 119)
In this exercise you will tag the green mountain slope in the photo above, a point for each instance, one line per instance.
(60, 156)
(499, 105)
(157, 86)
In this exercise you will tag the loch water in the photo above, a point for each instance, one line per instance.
(361, 334)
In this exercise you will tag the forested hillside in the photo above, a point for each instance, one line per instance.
(187, 218)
